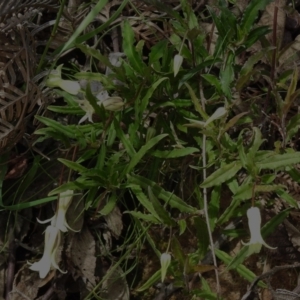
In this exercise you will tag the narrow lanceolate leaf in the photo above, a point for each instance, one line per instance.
(251, 13)
(83, 25)
(72, 165)
(144, 149)
(145, 217)
(162, 194)
(279, 160)
(150, 91)
(144, 200)
(221, 175)
(129, 49)
(288, 101)
(241, 269)
(271, 225)
(160, 210)
(174, 153)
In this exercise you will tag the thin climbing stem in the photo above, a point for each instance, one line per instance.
(205, 199)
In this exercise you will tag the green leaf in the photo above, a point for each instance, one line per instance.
(138, 192)
(160, 210)
(267, 188)
(222, 174)
(150, 282)
(202, 236)
(65, 130)
(287, 198)
(288, 101)
(125, 141)
(197, 103)
(65, 187)
(145, 217)
(174, 153)
(145, 101)
(214, 81)
(243, 192)
(66, 110)
(227, 75)
(72, 165)
(239, 258)
(271, 225)
(158, 51)
(83, 25)
(279, 161)
(90, 76)
(251, 13)
(129, 49)
(254, 35)
(195, 71)
(214, 206)
(241, 269)
(28, 204)
(159, 192)
(233, 121)
(144, 149)
(292, 127)
(110, 205)
(178, 252)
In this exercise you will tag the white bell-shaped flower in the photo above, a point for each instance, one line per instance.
(55, 80)
(48, 260)
(59, 219)
(256, 240)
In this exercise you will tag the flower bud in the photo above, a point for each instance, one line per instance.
(112, 103)
(178, 59)
(165, 260)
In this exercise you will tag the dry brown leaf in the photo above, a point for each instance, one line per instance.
(115, 286)
(26, 285)
(81, 252)
(114, 222)
(290, 55)
(267, 19)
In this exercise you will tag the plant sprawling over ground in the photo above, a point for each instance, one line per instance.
(168, 157)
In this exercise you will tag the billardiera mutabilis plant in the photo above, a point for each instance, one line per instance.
(256, 240)
(53, 236)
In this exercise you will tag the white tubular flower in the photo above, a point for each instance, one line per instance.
(65, 199)
(256, 240)
(165, 260)
(48, 260)
(55, 80)
(59, 219)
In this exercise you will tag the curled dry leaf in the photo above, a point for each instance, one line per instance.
(81, 253)
(268, 16)
(114, 222)
(26, 284)
(115, 286)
